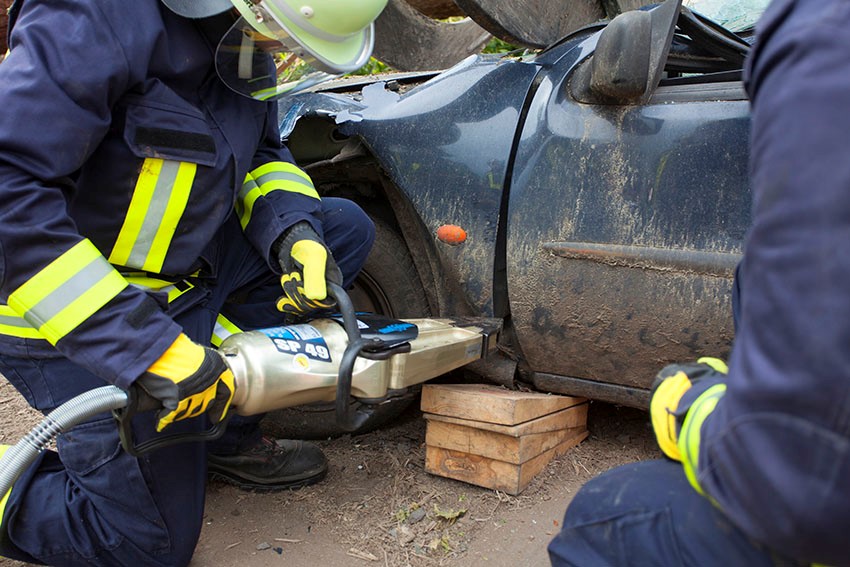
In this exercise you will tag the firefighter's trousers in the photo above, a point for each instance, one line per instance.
(91, 503)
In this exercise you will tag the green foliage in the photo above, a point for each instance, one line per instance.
(373, 67)
(403, 513)
(450, 515)
(496, 45)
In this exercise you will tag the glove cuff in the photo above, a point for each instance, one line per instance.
(673, 392)
(169, 390)
(282, 247)
(698, 388)
(181, 359)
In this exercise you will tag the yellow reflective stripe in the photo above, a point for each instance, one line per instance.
(67, 292)
(14, 325)
(159, 200)
(5, 497)
(273, 167)
(134, 220)
(273, 176)
(689, 437)
(147, 283)
(284, 176)
(173, 289)
(249, 193)
(173, 212)
(223, 329)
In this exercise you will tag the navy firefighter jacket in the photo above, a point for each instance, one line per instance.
(771, 445)
(121, 155)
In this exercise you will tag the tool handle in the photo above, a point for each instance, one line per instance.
(348, 419)
(138, 400)
(346, 309)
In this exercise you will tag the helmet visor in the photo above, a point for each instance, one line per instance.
(265, 68)
(262, 59)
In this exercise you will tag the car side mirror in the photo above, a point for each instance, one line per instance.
(629, 58)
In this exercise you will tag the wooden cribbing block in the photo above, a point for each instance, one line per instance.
(497, 438)
(515, 450)
(575, 416)
(491, 404)
(491, 473)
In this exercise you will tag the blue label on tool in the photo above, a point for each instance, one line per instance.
(395, 328)
(299, 339)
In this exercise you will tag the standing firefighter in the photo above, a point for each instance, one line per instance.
(759, 453)
(148, 209)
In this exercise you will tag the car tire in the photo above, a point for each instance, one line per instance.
(408, 40)
(389, 285)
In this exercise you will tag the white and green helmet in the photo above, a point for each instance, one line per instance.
(279, 47)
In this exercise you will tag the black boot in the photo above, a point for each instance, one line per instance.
(271, 465)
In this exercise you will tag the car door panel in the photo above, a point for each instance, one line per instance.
(624, 227)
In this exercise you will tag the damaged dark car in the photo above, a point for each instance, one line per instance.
(593, 196)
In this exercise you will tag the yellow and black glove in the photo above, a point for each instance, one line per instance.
(307, 266)
(666, 406)
(189, 380)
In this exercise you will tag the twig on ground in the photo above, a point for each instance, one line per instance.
(365, 555)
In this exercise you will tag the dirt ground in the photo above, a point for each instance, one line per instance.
(379, 507)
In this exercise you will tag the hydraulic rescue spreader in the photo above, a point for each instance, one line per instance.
(360, 355)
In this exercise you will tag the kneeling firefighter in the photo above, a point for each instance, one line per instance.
(147, 210)
(757, 467)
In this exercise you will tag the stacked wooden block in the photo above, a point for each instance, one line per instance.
(497, 438)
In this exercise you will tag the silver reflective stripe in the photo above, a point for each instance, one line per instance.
(155, 213)
(13, 321)
(223, 329)
(159, 200)
(14, 325)
(68, 292)
(220, 332)
(285, 176)
(273, 176)
(248, 186)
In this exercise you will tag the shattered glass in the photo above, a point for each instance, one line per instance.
(734, 15)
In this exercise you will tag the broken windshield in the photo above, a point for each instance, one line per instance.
(734, 15)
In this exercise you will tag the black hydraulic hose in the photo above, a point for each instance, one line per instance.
(346, 308)
(73, 412)
(346, 418)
